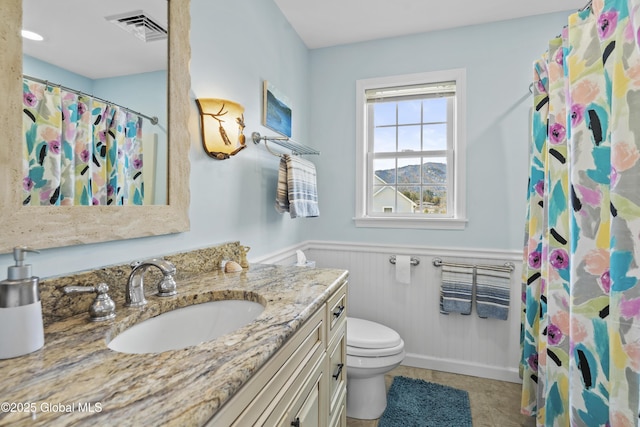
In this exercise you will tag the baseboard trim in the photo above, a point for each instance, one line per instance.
(463, 368)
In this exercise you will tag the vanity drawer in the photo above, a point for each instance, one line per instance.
(337, 371)
(336, 311)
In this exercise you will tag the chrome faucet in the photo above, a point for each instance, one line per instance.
(134, 294)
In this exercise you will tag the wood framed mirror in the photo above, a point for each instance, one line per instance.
(46, 227)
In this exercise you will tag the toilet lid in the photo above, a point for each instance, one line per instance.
(366, 334)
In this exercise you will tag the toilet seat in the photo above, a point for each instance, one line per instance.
(370, 339)
(375, 352)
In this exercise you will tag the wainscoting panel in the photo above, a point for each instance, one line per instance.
(464, 344)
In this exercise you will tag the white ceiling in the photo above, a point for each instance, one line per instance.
(77, 37)
(323, 23)
(76, 29)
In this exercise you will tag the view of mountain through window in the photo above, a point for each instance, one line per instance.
(410, 142)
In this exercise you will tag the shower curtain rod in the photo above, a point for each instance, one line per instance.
(153, 120)
(587, 6)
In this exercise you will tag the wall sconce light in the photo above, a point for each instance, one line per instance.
(222, 124)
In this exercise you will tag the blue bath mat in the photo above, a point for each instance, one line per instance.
(417, 403)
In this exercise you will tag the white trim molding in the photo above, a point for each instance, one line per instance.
(409, 222)
(486, 253)
(284, 256)
(463, 368)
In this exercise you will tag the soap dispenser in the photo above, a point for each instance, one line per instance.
(21, 327)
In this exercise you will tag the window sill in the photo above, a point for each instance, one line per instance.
(416, 223)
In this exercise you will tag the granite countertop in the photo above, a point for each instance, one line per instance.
(76, 379)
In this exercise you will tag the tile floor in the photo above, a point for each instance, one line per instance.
(493, 403)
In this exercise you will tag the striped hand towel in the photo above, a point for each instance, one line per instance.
(493, 289)
(282, 192)
(301, 186)
(456, 289)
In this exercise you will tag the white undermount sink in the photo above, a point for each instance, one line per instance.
(186, 327)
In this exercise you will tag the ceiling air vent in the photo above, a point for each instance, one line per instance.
(140, 25)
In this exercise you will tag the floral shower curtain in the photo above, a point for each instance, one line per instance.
(581, 298)
(79, 150)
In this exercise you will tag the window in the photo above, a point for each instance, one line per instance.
(410, 168)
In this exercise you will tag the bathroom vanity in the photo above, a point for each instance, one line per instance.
(304, 384)
(285, 368)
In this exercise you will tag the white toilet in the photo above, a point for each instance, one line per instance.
(372, 351)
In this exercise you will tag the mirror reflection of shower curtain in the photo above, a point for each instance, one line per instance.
(581, 294)
(79, 150)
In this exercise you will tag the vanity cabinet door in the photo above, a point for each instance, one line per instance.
(337, 370)
(308, 407)
(336, 359)
(309, 413)
(340, 417)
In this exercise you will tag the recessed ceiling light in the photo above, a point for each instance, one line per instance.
(32, 36)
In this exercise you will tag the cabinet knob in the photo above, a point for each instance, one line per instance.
(295, 423)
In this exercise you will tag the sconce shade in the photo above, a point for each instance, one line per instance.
(222, 124)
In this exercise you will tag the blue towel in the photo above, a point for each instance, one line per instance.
(297, 191)
(456, 290)
(493, 290)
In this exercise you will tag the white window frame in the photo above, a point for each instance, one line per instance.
(456, 175)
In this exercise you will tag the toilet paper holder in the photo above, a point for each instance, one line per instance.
(414, 260)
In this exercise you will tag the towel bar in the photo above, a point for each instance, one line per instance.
(508, 266)
(283, 141)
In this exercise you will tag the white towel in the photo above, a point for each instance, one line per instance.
(456, 289)
(297, 191)
(493, 289)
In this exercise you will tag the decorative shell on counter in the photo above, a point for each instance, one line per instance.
(232, 267)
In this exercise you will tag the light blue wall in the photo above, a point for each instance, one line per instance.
(234, 47)
(498, 59)
(237, 45)
(43, 70)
